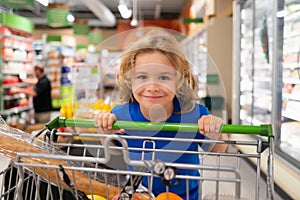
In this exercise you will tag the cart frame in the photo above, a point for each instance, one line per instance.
(261, 143)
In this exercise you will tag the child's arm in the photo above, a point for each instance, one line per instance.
(210, 126)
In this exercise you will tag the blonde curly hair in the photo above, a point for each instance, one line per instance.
(165, 43)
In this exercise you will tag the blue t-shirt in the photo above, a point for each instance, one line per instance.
(132, 112)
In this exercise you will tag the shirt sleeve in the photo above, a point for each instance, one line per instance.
(41, 87)
(203, 110)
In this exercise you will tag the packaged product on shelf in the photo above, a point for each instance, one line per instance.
(289, 134)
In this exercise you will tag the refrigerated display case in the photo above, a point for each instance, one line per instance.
(256, 40)
(266, 80)
(290, 134)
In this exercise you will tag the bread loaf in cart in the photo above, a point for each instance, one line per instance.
(14, 141)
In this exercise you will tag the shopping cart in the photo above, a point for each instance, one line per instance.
(88, 174)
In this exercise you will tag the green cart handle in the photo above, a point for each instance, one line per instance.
(262, 130)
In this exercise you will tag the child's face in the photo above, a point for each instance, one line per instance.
(154, 81)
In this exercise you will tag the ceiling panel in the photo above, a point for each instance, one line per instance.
(169, 9)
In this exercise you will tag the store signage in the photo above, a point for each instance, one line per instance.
(95, 37)
(81, 46)
(212, 79)
(17, 3)
(57, 15)
(81, 27)
(193, 20)
(17, 22)
(53, 38)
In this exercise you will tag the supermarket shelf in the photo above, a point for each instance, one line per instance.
(17, 37)
(15, 96)
(14, 85)
(16, 110)
(295, 97)
(14, 72)
(263, 79)
(17, 60)
(17, 48)
(291, 80)
(291, 115)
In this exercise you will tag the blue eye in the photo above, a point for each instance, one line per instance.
(164, 78)
(143, 77)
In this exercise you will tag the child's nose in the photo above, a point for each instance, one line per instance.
(152, 87)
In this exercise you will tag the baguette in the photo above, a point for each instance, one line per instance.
(13, 141)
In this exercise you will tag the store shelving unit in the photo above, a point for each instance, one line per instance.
(109, 68)
(87, 91)
(16, 62)
(38, 47)
(195, 49)
(93, 78)
(266, 81)
(210, 57)
(60, 58)
(53, 70)
(68, 59)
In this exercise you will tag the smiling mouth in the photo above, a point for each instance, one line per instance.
(153, 97)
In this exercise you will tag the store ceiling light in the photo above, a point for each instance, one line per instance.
(70, 18)
(43, 2)
(124, 10)
(157, 11)
(134, 21)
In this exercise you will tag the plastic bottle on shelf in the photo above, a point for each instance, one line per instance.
(63, 110)
(69, 110)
